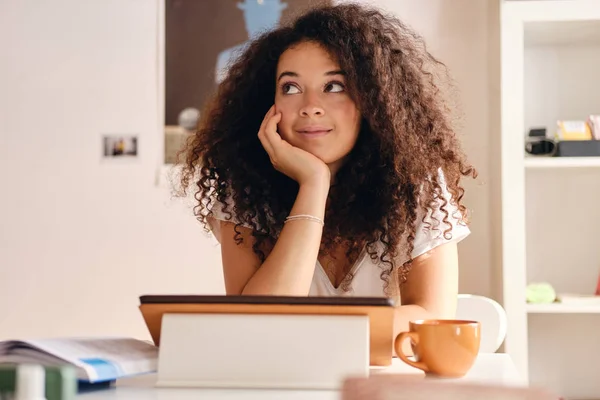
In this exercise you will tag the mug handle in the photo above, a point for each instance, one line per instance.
(414, 336)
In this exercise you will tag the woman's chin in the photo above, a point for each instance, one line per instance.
(322, 154)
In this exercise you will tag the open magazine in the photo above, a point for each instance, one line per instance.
(95, 359)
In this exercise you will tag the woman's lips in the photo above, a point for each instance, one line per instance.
(314, 131)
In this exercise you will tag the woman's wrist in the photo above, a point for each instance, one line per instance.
(311, 199)
(321, 181)
(317, 188)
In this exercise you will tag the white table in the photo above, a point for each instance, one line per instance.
(493, 369)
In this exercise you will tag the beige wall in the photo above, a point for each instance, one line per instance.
(456, 32)
(80, 239)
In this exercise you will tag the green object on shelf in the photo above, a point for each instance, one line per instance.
(61, 381)
(540, 293)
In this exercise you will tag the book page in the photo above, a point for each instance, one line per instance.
(102, 358)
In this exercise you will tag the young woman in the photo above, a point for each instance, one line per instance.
(327, 165)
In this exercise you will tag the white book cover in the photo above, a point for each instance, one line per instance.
(95, 359)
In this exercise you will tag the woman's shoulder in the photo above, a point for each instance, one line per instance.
(220, 211)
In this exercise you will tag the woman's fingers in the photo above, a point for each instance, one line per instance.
(268, 116)
(269, 137)
(262, 134)
(271, 130)
(265, 142)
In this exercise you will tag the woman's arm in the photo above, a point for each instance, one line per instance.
(288, 270)
(431, 289)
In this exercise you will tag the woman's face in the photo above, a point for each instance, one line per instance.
(317, 113)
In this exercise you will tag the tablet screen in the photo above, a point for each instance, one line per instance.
(288, 300)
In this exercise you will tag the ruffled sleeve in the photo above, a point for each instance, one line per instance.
(218, 216)
(430, 233)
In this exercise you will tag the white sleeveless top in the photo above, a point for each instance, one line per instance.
(366, 280)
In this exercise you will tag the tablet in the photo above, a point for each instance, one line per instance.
(380, 311)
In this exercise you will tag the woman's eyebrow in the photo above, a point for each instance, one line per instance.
(287, 73)
(296, 75)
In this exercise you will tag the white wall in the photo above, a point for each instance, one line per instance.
(81, 239)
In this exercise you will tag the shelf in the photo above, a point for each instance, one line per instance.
(558, 308)
(562, 162)
(562, 33)
(549, 54)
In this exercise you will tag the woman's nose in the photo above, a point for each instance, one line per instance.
(312, 107)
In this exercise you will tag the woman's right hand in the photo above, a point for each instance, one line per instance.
(298, 164)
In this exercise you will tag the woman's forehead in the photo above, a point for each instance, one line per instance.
(307, 56)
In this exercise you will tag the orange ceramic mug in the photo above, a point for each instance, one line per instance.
(441, 347)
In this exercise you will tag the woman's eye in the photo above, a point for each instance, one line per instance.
(288, 88)
(334, 87)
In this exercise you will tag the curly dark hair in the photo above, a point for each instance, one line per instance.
(406, 138)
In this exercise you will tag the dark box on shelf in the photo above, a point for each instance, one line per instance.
(578, 148)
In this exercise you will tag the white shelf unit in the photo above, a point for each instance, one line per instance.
(550, 70)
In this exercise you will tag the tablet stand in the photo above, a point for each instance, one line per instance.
(262, 350)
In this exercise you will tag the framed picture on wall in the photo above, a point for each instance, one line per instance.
(201, 37)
